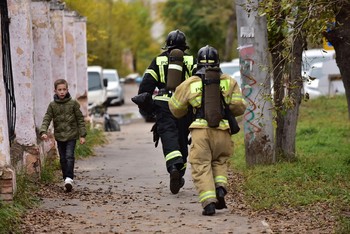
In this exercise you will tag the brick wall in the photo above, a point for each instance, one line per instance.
(7, 184)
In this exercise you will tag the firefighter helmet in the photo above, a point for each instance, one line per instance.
(176, 39)
(207, 57)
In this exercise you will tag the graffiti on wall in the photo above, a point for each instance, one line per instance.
(248, 81)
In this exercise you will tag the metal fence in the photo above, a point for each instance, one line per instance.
(7, 70)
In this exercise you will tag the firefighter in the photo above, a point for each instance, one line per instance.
(165, 72)
(216, 99)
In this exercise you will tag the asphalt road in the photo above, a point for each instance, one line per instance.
(124, 188)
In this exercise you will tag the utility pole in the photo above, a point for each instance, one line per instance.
(256, 84)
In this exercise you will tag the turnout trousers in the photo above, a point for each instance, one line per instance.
(209, 153)
(173, 134)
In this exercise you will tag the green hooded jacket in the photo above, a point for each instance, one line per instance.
(68, 121)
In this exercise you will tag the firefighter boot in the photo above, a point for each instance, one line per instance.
(176, 180)
(209, 209)
(220, 195)
(182, 182)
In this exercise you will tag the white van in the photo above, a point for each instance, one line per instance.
(312, 56)
(324, 79)
(97, 87)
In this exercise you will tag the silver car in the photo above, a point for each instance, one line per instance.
(115, 91)
(233, 69)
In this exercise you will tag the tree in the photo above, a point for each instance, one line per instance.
(286, 46)
(339, 35)
(115, 28)
(304, 22)
(204, 23)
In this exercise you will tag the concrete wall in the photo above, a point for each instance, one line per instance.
(42, 72)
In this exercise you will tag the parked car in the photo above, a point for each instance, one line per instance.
(324, 78)
(312, 56)
(232, 68)
(115, 90)
(97, 87)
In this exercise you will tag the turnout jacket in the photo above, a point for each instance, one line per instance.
(189, 93)
(68, 121)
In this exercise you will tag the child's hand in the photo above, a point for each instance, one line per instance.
(82, 140)
(44, 137)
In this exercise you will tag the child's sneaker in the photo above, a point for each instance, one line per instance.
(68, 184)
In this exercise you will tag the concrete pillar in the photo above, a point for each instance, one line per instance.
(22, 62)
(57, 41)
(42, 79)
(42, 74)
(68, 26)
(252, 41)
(81, 63)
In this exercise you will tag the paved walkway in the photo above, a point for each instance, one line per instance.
(125, 189)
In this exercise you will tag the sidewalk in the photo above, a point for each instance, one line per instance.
(125, 189)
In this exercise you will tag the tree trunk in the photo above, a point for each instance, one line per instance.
(295, 85)
(258, 129)
(278, 65)
(340, 39)
(230, 34)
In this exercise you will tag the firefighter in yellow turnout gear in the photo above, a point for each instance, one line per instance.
(210, 131)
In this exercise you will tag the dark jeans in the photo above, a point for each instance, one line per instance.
(66, 151)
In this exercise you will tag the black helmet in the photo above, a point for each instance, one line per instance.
(176, 39)
(207, 57)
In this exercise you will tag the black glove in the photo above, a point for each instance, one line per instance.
(155, 135)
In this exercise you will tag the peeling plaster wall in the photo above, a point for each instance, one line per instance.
(22, 63)
(42, 78)
(68, 25)
(81, 63)
(58, 45)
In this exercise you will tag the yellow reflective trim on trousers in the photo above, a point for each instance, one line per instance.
(152, 73)
(220, 179)
(184, 167)
(206, 195)
(203, 123)
(175, 67)
(172, 155)
(162, 98)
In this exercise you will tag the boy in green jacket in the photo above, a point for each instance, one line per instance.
(69, 125)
